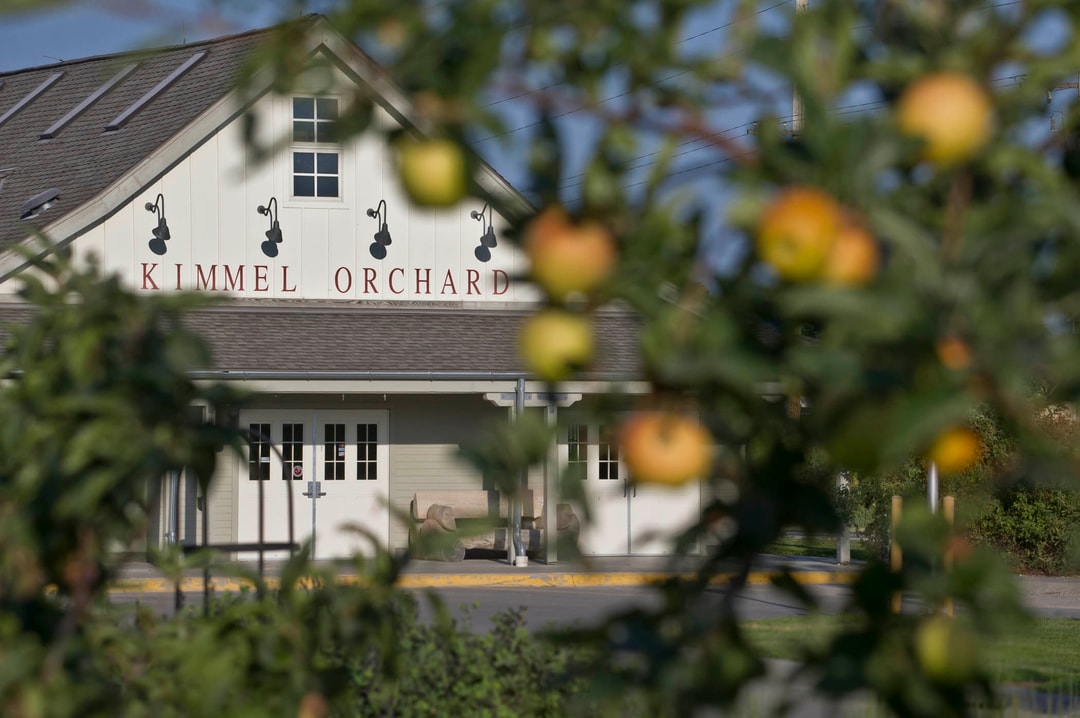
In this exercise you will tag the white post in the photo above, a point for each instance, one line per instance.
(932, 488)
(551, 494)
(843, 542)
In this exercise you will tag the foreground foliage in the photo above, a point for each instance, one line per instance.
(797, 370)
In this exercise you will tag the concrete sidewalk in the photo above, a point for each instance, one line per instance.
(596, 571)
(1046, 595)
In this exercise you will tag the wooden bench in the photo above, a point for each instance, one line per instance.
(479, 519)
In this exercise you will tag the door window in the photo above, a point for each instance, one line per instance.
(258, 452)
(609, 458)
(334, 452)
(367, 444)
(292, 451)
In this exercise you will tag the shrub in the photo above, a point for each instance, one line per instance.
(1035, 526)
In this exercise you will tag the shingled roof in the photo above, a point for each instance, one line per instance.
(325, 338)
(83, 157)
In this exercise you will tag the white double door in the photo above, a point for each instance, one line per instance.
(331, 466)
(627, 519)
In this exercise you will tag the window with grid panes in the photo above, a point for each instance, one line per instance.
(258, 452)
(334, 445)
(577, 449)
(316, 169)
(292, 451)
(367, 442)
(609, 458)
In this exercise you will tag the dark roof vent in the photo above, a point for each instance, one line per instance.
(39, 203)
(81, 107)
(29, 98)
(175, 75)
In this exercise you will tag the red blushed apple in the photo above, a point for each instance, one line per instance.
(434, 172)
(555, 343)
(854, 258)
(661, 447)
(566, 257)
(950, 112)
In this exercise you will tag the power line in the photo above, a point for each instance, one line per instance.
(621, 94)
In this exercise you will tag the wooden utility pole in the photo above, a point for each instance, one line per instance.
(796, 101)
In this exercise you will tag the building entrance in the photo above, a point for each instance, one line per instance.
(628, 519)
(333, 466)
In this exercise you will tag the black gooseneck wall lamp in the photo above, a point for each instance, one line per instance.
(161, 231)
(273, 235)
(487, 239)
(382, 236)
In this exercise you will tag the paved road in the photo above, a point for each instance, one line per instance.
(546, 606)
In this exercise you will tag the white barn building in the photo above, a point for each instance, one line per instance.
(370, 363)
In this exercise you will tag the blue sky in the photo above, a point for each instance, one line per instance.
(82, 28)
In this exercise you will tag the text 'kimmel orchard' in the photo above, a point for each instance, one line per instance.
(262, 278)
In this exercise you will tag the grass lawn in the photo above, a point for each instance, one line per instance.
(1042, 654)
(821, 546)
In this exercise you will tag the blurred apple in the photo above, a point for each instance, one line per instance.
(797, 231)
(946, 650)
(555, 343)
(854, 258)
(660, 447)
(955, 450)
(433, 171)
(313, 705)
(950, 112)
(566, 257)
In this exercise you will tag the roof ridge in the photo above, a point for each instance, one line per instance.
(142, 52)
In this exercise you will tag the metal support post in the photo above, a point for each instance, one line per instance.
(551, 493)
(843, 542)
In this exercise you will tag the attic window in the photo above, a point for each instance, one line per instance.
(316, 165)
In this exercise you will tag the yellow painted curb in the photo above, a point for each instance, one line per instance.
(494, 580)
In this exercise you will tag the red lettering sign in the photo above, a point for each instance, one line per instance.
(208, 280)
(260, 278)
(147, 276)
(285, 279)
(348, 280)
(234, 283)
(369, 281)
(448, 282)
(472, 277)
(390, 280)
(495, 275)
(178, 276)
(426, 281)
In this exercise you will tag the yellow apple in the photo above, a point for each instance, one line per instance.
(946, 650)
(954, 450)
(950, 112)
(566, 257)
(661, 447)
(854, 258)
(433, 171)
(796, 232)
(555, 343)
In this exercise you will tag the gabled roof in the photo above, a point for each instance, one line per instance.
(82, 158)
(101, 129)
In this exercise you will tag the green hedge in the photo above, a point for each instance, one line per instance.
(1036, 527)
